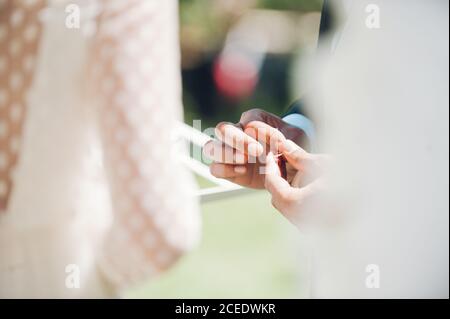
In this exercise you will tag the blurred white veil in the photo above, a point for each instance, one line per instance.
(382, 107)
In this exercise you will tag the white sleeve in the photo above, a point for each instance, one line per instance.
(136, 75)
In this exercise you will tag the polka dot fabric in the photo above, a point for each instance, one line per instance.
(135, 72)
(19, 38)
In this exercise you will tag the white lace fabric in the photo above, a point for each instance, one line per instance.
(135, 64)
(123, 84)
(19, 36)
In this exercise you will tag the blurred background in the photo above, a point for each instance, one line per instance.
(238, 55)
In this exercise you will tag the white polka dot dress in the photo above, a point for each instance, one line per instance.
(17, 47)
(65, 94)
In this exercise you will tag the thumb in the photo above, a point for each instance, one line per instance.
(274, 183)
(294, 154)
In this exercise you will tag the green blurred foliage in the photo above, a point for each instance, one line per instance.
(204, 25)
(210, 23)
(246, 252)
(293, 5)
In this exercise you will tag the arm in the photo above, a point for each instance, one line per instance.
(136, 63)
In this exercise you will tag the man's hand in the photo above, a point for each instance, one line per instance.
(240, 150)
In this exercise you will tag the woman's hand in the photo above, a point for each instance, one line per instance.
(292, 198)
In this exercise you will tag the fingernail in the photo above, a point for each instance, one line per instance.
(255, 149)
(208, 150)
(240, 169)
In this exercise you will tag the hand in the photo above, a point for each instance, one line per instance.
(238, 154)
(291, 199)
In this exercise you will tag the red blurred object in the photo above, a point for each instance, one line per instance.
(235, 75)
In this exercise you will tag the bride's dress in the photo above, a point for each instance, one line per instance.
(89, 182)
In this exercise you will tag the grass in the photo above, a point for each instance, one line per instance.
(245, 253)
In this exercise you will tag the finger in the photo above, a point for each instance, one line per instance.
(274, 183)
(294, 154)
(252, 115)
(220, 170)
(297, 181)
(234, 137)
(222, 153)
(265, 134)
(260, 115)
